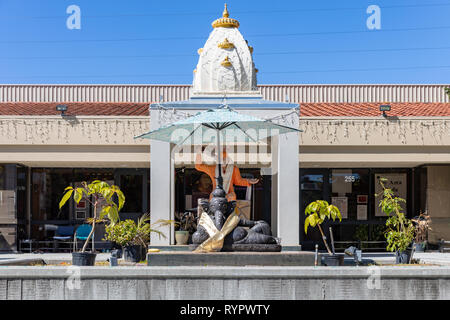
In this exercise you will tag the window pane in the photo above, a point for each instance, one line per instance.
(131, 186)
(350, 192)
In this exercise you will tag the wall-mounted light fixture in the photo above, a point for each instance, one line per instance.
(384, 108)
(61, 108)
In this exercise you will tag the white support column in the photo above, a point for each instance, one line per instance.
(285, 187)
(274, 193)
(161, 184)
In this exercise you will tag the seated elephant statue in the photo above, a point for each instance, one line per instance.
(246, 231)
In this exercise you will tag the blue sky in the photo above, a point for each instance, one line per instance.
(155, 42)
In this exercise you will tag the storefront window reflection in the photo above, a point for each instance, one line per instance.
(353, 192)
(48, 186)
(312, 188)
(350, 192)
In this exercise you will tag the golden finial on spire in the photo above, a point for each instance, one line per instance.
(225, 13)
(225, 21)
(226, 62)
(225, 44)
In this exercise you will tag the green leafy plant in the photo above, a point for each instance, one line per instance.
(317, 212)
(369, 233)
(128, 232)
(100, 195)
(361, 233)
(447, 90)
(377, 233)
(400, 230)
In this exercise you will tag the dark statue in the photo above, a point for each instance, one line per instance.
(258, 236)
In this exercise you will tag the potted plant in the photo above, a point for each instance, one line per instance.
(100, 195)
(361, 234)
(186, 225)
(133, 237)
(422, 224)
(316, 213)
(400, 230)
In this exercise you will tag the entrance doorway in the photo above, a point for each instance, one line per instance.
(314, 185)
(254, 202)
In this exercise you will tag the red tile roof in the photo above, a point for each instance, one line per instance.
(406, 109)
(306, 109)
(75, 108)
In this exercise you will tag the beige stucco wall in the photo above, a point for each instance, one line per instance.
(375, 131)
(374, 142)
(438, 202)
(85, 141)
(324, 142)
(76, 130)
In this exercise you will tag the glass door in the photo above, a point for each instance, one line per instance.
(134, 185)
(314, 185)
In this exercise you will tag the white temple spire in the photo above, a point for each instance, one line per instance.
(225, 62)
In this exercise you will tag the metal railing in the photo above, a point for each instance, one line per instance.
(443, 244)
(298, 93)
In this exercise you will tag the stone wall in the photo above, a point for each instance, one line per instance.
(233, 283)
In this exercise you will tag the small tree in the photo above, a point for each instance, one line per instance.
(98, 193)
(128, 232)
(316, 213)
(400, 230)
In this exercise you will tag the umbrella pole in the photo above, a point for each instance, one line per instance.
(219, 161)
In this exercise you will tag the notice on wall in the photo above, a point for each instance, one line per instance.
(362, 199)
(342, 181)
(361, 212)
(396, 182)
(342, 204)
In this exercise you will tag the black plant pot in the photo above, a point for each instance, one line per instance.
(403, 257)
(83, 258)
(118, 252)
(333, 260)
(420, 247)
(132, 253)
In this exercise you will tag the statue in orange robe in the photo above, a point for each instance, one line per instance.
(230, 178)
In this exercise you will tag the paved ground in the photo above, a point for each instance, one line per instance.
(379, 258)
(433, 258)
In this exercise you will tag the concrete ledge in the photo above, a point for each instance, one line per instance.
(224, 283)
(231, 259)
(21, 262)
(46, 258)
(188, 248)
(171, 247)
(56, 272)
(291, 248)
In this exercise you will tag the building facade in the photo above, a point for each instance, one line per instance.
(345, 145)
